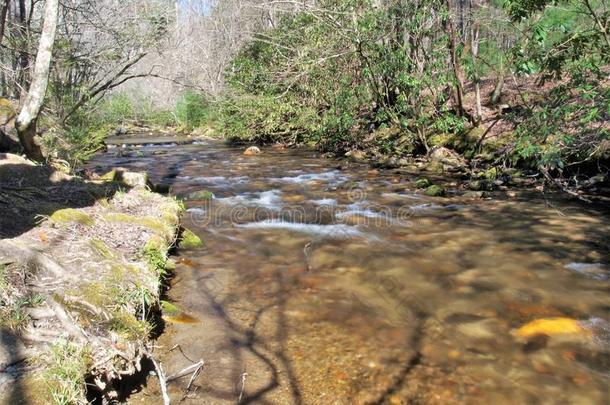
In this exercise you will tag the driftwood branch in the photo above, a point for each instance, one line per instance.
(162, 381)
(193, 368)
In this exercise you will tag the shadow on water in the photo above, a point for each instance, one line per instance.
(244, 339)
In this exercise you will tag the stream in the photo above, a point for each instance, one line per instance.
(326, 282)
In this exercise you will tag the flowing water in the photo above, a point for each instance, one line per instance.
(327, 283)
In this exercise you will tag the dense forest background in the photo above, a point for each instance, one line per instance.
(502, 83)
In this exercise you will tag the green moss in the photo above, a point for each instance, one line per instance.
(110, 176)
(102, 249)
(128, 327)
(200, 195)
(154, 224)
(435, 191)
(169, 308)
(71, 215)
(440, 140)
(123, 269)
(492, 174)
(170, 265)
(435, 167)
(189, 240)
(423, 183)
(155, 253)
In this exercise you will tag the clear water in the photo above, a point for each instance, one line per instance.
(321, 284)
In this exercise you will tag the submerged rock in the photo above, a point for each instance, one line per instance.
(551, 326)
(595, 271)
(435, 191)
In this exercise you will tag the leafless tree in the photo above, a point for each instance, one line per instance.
(28, 116)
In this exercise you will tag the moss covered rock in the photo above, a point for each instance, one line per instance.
(435, 191)
(199, 195)
(189, 240)
(71, 215)
(422, 183)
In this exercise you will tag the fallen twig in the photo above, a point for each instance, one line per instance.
(562, 187)
(162, 381)
(243, 386)
(193, 368)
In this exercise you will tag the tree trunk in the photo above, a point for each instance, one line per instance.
(23, 57)
(497, 93)
(3, 13)
(455, 64)
(474, 51)
(28, 116)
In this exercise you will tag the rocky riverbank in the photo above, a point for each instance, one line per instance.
(81, 269)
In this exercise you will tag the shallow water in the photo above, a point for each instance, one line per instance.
(323, 284)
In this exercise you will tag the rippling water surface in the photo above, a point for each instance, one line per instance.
(321, 283)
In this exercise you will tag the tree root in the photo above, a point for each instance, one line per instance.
(32, 258)
(66, 320)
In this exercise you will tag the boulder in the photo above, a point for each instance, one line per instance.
(475, 195)
(446, 157)
(131, 179)
(356, 155)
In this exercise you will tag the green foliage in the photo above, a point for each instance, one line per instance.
(567, 128)
(155, 257)
(561, 133)
(66, 365)
(348, 77)
(260, 118)
(561, 36)
(329, 84)
(192, 109)
(116, 109)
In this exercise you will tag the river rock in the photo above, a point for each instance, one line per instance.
(356, 155)
(448, 158)
(475, 195)
(434, 191)
(131, 179)
(422, 183)
(200, 195)
(252, 150)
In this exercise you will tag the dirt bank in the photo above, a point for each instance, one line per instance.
(81, 267)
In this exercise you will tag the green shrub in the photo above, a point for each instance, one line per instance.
(258, 118)
(192, 109)
(116, 109)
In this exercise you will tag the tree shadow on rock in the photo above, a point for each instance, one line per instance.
(29, 192)
(12, 358)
